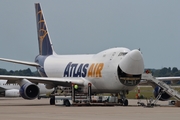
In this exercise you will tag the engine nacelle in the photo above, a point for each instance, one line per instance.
(164, 95)
(29, 91)
(12, 93)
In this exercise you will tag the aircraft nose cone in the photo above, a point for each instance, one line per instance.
(135, 55)
(132, 63)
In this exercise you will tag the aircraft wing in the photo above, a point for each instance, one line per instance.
(168, 78)
(173, 80)
(45, 80)
(20, 62)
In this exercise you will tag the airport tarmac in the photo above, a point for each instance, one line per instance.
(20, 109)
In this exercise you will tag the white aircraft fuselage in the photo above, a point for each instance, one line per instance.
(102, 70)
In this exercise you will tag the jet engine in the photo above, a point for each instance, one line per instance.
(164, 95)
(12, 93)
(29, 91)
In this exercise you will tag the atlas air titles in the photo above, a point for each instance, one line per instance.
(83, 70)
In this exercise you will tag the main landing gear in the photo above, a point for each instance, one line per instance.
(123, 99)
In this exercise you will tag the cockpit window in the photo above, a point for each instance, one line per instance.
(122, 53)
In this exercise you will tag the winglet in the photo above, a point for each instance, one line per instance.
(45, 44)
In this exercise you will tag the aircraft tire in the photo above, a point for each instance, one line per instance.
(125, 102)
(173, 102)
(38, 97)
(67, 103)
(52, 101)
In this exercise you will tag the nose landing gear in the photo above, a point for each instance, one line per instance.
(123, 99)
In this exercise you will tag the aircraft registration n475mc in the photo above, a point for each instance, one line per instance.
(115, 70)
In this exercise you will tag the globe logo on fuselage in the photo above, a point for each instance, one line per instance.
(83, 70)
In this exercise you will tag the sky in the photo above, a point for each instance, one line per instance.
(90, 26)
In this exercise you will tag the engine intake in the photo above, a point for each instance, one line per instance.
(29, 91)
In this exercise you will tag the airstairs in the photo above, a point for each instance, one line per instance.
(165, 88)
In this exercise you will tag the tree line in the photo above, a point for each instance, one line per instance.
(25, 72)
(164, 72)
